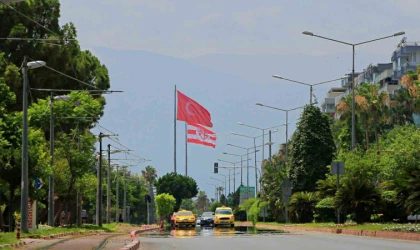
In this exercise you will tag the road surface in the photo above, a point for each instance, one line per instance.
(230, 238)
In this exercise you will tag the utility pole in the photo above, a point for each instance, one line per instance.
(108, 193)
(25, 189)
(99, 189)
(51, 177)
(117, 214)
(269, 146)
(125, 198)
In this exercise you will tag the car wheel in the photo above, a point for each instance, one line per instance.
(232, 225)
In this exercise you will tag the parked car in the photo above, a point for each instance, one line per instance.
(207, 219)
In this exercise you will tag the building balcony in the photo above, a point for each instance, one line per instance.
(328, 106)
(389, 87)
(384, 75)
(405, 49)
(337, 100)
(403, 70)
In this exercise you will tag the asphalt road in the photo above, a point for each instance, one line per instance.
(226, 239)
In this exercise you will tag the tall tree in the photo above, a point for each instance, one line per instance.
(165, 204)
(150, 174)
(202, 202)
(181, 187)
(312, 151)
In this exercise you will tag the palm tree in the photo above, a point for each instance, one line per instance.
(374, 108)
(219, 191)
(150, 174)
(358, 196)
(302, 205)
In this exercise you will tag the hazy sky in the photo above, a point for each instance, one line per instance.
(192, 28)
(188, 29)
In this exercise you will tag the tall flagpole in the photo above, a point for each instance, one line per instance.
(175, 131)
(186, 149)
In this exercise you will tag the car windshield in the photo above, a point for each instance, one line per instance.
(207, 215)
(185, 213)
(224, 211)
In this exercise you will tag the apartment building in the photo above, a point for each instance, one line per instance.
(406, 57)
(388, 75)
(328, 106)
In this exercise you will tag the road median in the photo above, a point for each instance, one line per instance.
(336, 230)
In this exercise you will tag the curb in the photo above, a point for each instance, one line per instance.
(135, 244)
(51, 236)
(13, 245)
(348, 231)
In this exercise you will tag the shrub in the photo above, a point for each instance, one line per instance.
(325, 210)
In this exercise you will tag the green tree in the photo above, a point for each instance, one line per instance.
(312, 149)
(202, 202)
(358, 196)
(188, 204)
(275, 173)
(165, 204)
(302, 206)
(325, 210)
(181, 187)
(215, 205)
(150, 174)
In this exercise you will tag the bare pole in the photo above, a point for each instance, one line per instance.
(51, 177)
(175, 129)
(186, 149)
(108, 192)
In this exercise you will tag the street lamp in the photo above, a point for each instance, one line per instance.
(215, 190)
(240, 161)
(234, 172)
(220, 181)
(255, 158)
(353, 45)
(307, 84)
(51, 177)
(263, 135)
(24, 198)
(287, 124)
(108, 192)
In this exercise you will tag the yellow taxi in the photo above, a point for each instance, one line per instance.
(184, 217)
(224, 216)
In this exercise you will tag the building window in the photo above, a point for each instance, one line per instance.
(414, 59)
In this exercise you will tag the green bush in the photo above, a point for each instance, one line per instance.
(325, 210)
(302, 206)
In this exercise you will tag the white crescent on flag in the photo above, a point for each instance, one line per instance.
(198, 134)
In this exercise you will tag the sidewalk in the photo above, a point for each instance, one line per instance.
(117, 242)
(71, 242)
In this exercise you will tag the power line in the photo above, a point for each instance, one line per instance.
(61, 73)
(8, 5)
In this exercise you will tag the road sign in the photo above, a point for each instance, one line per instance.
(243, 195)
(286, 187)
(337, 167)
(37, 183)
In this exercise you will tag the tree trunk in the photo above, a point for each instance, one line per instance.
(367, 132)
(375, 123)
(1, 216)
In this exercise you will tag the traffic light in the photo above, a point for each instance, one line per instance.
(216, 167)
(148, 198)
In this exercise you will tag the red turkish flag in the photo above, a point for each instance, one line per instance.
(192, 112)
